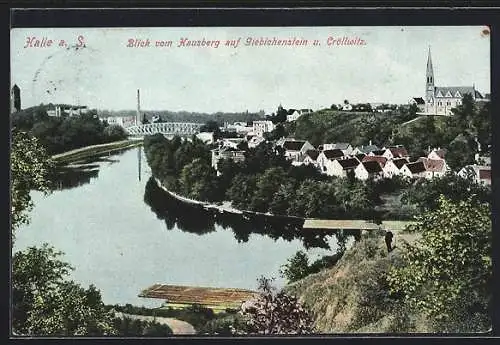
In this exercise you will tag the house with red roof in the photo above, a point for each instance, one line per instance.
(438, 153)
(434, 167)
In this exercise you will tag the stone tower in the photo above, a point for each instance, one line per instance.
(15, 99)
(429, 85)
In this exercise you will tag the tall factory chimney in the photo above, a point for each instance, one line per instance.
(138, 119)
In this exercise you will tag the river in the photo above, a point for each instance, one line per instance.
(123, 234)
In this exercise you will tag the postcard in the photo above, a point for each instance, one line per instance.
(233, 181)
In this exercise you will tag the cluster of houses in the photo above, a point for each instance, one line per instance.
(370, 161)
(362, 162)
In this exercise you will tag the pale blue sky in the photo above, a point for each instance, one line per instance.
(106, 75)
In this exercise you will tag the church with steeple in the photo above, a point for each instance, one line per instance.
(439, 100)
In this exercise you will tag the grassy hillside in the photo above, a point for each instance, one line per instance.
(353, 296)
(357, 128)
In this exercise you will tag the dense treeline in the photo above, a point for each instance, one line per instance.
(265, 182)
(65, 133)
(424, 194)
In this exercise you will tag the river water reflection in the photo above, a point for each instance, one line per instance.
(123, 235)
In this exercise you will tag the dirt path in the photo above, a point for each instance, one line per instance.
(177, 326)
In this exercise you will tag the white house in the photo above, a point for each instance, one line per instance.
(55, 112)
(479, 173)
(419, 102)
(415, 169)
(393, 152)
(261, 127)
(296, 149)
(297, 113)
(346, 148)
(434, 167)
(340, 167)
(393, 167)
(325, 158)
(345, 107)
(311, 158)
(123, 121)
(238, 127)
(368, 169)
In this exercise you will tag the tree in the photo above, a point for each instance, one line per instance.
(267, 185)
(424, 194)
(212, 126)
(198, 181)
(275, 312)
(280, 116)
(114, 133)
(282, 198)
(44, 303)
(241, 190)
(448, 272)
(30, 167)
(297, 267)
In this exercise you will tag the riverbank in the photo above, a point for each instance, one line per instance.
(309, 223)
(225, 206)
(93, 150)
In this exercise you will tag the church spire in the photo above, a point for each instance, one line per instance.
(429, 85)
(430, 72)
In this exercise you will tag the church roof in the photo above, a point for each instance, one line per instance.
(451, 91)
